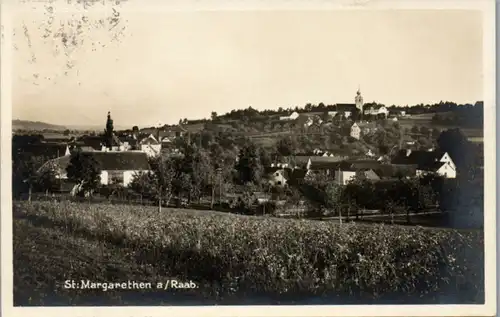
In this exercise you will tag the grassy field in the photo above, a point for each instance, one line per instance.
(236, 259)
(475, 134)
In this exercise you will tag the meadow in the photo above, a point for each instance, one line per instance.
(474, 134)
(236, 259)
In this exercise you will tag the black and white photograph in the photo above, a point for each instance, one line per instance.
(269, 159)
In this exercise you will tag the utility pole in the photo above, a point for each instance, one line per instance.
(338, 205)
(219, 173)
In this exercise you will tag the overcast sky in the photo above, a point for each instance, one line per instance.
(171, 65)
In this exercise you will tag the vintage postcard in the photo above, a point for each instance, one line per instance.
(248, 158)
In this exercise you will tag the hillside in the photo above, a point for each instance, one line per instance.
(35, 125)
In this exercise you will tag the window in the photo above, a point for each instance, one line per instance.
(279, 182)
(277, 174)
(115, 177)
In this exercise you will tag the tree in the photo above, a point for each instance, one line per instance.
(286, 146)
(66, 132)
(203, 174)
(135, 129)
(25, 173)
(163, 173)
(333, 195)
(85, 171)
(45, 178)
(249, 165)
(435, 133)
(325, 116)
(108, 132)
(213, 115)
(456, 144)
(415, 129)
(425, 130)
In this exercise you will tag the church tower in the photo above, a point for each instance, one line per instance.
(358, 100)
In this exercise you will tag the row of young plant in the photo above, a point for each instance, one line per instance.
(278, 259)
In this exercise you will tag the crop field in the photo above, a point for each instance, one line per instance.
(236, 259)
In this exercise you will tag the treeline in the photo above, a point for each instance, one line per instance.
(443, 106)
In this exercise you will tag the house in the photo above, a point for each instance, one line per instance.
(129, 142)
(344, 109)
(55, 137)
(397, 113)
(347, 109)
(355, 131)
(367, 127)
(323, 163)
(150, 146)
(427, 162)
(343, 177)
(294, 115)
(116, 167)
(277, 176)
(304, 120)
(347, 171)
(376, 110)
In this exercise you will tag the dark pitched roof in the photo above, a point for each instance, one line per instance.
(55, 136)
(424, 160)
(324, 163)
(364, 164)
(297, 159)
(110, 161)
(121, 161)
(94, 142)
(48, 150)
(344, 107)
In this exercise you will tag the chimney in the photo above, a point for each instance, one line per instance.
(408, 152)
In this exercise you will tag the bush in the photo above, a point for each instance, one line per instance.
(280, 259)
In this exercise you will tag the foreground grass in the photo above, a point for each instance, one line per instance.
(232, 258)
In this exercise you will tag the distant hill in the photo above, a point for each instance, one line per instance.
(38, 125)
(35, 125)
(95, 127)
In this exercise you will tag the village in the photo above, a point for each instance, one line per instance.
(284, 167)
